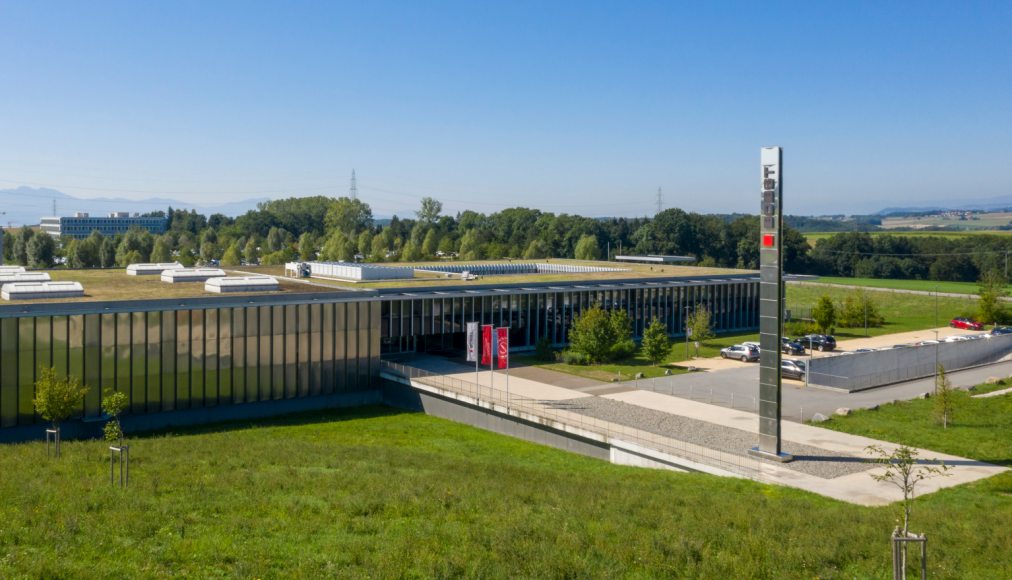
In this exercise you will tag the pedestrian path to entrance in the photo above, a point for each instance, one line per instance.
(644, 424)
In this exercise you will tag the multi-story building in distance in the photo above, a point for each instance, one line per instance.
(81, 224)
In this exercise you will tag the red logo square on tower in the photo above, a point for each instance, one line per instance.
(768, 240)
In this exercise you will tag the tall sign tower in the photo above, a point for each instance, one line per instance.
(771, 303)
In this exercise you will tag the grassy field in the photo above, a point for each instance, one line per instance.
(902, 312)
(976, 221)
(813, 237)
(921, 285)
(625, 370)
(981, 428)
(377, 493)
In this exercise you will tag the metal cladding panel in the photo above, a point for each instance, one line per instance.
(770, 298)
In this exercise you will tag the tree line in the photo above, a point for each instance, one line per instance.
(345, 229)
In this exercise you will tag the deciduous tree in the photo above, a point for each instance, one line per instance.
(656, 344)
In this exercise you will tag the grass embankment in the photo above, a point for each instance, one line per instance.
(902, 312)
(378, 493)
(918, 285)
(981, 428)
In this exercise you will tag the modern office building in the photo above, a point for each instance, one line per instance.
(81, 224)
(209, 358)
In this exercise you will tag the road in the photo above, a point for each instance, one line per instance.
(740, 386)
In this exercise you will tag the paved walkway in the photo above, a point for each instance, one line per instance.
(563, 407)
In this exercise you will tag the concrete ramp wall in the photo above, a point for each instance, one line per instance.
(865, 370)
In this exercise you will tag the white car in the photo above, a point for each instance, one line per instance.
(741, 352)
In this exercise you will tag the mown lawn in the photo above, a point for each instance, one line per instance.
(902, 312)
(676, 362)
(980, 428)
(378, 493)
(920, 285)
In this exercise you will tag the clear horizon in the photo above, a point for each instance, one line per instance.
(569, 108)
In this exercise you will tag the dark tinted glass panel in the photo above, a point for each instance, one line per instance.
(182, 359)
(138, 362)
(8, 372)
(26, 370)
(211, 370)
(197, 324)
(154, 402)
(168, 360)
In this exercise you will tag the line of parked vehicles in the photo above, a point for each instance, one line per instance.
(795, 369)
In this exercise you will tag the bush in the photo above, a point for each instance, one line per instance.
(543, 349)
(824, 314)
(855, 307)
(56, 398)
(797, 328)
(622, 349)
(574, 357)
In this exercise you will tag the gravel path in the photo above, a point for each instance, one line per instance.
(807, 459)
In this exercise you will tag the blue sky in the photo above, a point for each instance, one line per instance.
(579, 107)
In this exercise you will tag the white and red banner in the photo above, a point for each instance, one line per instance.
(472, 341)
(486, 344)
(503, 347)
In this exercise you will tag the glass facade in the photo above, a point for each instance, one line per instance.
(169, 356)
(434, 321)
(191, 358)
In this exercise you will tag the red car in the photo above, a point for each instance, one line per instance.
(966, 324)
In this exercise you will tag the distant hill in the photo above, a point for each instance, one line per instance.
(25, 205)
(1002, 202)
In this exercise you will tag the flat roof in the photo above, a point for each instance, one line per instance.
(428, 279)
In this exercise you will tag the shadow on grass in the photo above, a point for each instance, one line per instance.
(321, 416)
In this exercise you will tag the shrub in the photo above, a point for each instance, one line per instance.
(622, 349)
(574, 357)
(56, 399)
(543, 349)
(114, 403)
(824, 314)
(854, 309)
(798, 328)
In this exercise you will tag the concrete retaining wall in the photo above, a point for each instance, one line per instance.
(405, 397)
(865, 370)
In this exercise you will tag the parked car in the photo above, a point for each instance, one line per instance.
(957, 338)
(1001, 330)
(965, 323)
(754, 345)
(740, 352)
(792, 369)
(788, 346)
(820, 342)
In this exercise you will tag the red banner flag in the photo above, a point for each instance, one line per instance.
(503, 344)
(486, 344)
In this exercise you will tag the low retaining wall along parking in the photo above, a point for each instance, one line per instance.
(865, 370)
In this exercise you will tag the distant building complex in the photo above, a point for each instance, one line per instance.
(81, 224)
